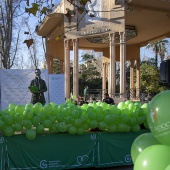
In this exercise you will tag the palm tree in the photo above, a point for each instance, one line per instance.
(159, 48)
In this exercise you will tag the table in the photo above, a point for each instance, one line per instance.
(65, 151)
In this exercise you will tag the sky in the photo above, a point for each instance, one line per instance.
(33, 21)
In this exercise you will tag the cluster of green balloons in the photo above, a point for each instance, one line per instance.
(152, 150)
(52, 118)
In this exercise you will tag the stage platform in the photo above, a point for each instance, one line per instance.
(64, 151)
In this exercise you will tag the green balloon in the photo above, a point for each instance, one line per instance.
(99, 110)
(93, 124)
(104, 105)
(68, 119)
(28, 114)
(140, 119)
(52, 118)
(113, 109)
(116, 117)
(29, 105)
(47, 109)
(90, 109)
(140, 111)
(102, 126)
(135, 128)
(108, 119)
(121, 127)
(99, 117)
(11, 111)
(9, 120)
(111, 128)
(155, 157)
(106, 112)
(53, 129)
(53, 104)
(35, 120)
(62, 127)
(40, 128)
(86, 126)
(19, 109)
(91, 115)
(27, 124)
(18, 127)
(158, 117)
(168, 167)
(47, 123)
(72, 130)
(131, 107)
(2, 124)
(42, 116)
(37, 108)
(84, 106)
(127, 102)
(31, 134)
(121, 105)
(133, 114)
(60, 117)
(83, 118)
(18, 117)
(125, 111)
(132, 121)
(55, 110)
(75, 114)
(12, 105)
(142, 142)
(145, 107)
(146, 124)
(77, 122)
(124, 118)
(80, 131)
(8, 131)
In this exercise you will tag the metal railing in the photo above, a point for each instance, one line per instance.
(132, 94)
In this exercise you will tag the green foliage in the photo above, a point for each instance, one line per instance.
(159, 48)
(90, 73)
(150, 77)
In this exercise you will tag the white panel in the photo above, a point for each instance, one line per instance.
(56, 88)
(14, 86)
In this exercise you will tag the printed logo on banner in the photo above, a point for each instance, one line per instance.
(82, 160)
(128, 158)
(49, 164)
(1, 139)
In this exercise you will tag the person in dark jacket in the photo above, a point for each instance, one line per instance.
(108, 99)
(41, 86)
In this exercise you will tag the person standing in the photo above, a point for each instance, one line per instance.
(38, 96)
(86, 93)
(108, 99)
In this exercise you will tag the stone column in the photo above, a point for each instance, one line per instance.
(131, 79)
(61, 66)
(104, 80)
(112, 65)
(67, 69)
(75, 69)
(122, 64)
(47, 55)
(108, 71)
(50, 64)
(138, 79)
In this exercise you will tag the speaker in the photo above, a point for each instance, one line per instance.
(165, 71)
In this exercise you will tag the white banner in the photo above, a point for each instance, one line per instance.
(14, 86)
(56, 88)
